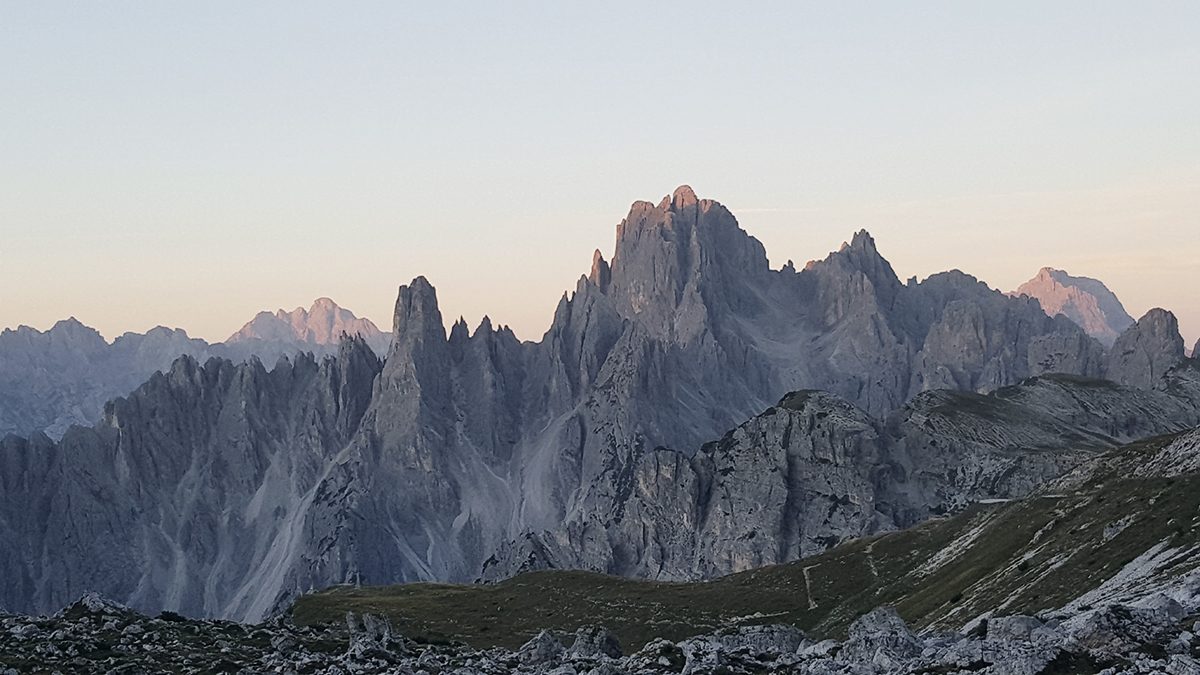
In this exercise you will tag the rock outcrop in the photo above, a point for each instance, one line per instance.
(1087, 302)
(1144, 352)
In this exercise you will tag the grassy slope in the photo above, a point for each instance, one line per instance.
(1021, 557)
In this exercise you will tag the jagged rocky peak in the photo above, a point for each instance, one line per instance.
(695, 225)
(676, 261)
(853, 281)
(1146, 350)
(321, 325)
(861, 241)
(68, 333)
(862, 254)
(1086, 301)
(74, 328)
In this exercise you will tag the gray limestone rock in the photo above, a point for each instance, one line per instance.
(769, 639)
(1145, 351)
(880, 638)
(814, 470)
(1120, 629)
(371, 638)
(1136, 639)
(594, 642)
(1016, 627)
(190, 496)
(542, 650)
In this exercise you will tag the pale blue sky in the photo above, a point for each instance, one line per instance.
(192, 164)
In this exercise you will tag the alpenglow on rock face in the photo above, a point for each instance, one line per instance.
(319, 328)
(1087, 302)
(589, 448)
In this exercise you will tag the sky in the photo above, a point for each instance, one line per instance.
(190, 164)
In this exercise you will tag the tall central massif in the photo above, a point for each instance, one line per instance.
(222, 490)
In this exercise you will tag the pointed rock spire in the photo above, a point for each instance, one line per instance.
(671, 259)
(862, 241)
(459, 332)
(417, 368)
(485, 326)
(417, 312)
(840, 277)
(601, 273)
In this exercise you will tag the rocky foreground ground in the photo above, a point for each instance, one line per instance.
(97, 636)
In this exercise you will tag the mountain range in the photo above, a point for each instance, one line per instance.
(690, 412)
(63, 376)
(317, 329)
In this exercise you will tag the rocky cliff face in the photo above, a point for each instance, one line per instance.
(471, 450)
(187, 495)
(814, 471)
(1087, 302)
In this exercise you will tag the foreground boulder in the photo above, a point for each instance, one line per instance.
(593, 642)
(880, 638)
